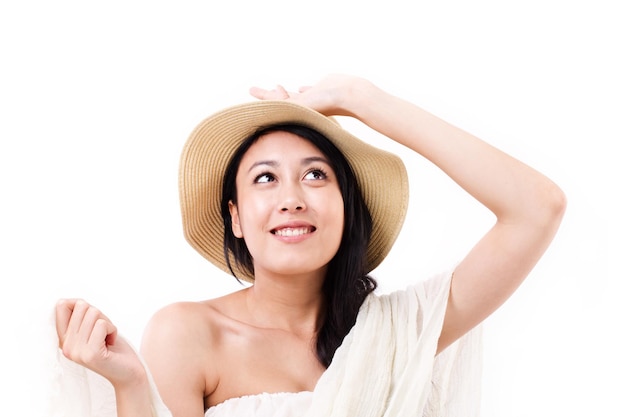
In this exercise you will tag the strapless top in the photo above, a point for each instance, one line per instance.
(282, 404)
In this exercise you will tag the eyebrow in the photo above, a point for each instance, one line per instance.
(305, 161)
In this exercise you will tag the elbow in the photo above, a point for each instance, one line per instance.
(553, 204)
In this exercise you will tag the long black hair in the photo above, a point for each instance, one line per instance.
(346, 284)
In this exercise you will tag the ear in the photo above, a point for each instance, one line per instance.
(234, 216)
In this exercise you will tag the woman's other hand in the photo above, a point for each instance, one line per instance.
(89, 338)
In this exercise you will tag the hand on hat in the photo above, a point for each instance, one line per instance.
(279, 93)
(331, 96)
(88, 337)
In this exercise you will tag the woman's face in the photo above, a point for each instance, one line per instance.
(289, 208)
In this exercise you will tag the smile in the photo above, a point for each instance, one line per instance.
(293, 231)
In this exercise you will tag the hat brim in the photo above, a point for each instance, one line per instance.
(381, 175)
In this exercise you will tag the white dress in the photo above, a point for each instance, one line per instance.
(283, 404)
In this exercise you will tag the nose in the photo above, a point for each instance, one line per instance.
(289, 207)
(291, 199)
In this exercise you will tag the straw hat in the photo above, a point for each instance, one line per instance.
(381, 175)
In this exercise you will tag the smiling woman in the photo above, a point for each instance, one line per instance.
(291, 223)
(287, 189)
(276, 193)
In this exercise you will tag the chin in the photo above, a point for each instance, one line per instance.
(298, 271)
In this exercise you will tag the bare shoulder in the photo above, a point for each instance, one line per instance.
(192, 319)
(185, 319)
(188, 327)
(181, 345)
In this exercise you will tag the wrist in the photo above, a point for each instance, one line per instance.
(133, 397)
(361, 98)
(133, 377)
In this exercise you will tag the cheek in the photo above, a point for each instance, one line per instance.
(251, 213)
(335, 211)
(338, 211)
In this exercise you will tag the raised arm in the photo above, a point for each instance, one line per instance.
(527, 205)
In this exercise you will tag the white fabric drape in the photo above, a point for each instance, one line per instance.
(386, 366)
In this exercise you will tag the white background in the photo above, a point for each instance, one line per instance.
(97, 99)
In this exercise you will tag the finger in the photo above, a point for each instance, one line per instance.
(64, 310)
(304, 88)
(70, 314)
(78, 313)
(103, 333)
(282, 93)
(77, 309)
(279, 93)
(259, 93)
(91, 316)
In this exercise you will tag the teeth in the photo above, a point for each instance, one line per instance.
(292, 232)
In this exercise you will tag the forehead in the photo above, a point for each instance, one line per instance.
(280, 145)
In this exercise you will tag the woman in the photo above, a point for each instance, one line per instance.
(293, 221)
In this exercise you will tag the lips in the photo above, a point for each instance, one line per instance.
(293, 231)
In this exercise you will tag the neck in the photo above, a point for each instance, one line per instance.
(293, 304)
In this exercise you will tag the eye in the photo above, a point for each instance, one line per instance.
(316, 174)
(264, 178)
